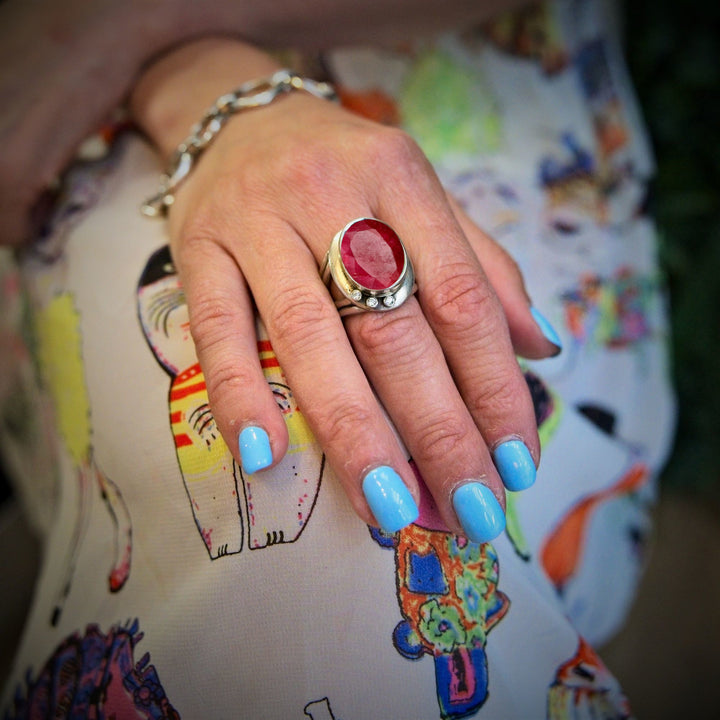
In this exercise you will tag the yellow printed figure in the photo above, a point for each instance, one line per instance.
(229, 507)
(57, 326)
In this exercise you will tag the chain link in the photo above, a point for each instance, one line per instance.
(250, 95)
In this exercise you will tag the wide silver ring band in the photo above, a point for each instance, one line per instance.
(351, 296)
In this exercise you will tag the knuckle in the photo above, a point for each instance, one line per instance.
(339, 423)
(227, 377)
(382, 335)
(299, 316)
(392, 147)
(211, 317)
(193, 238)
(213, 329)
(309, 167)
(460, 299)
(441, 436)
(500, 393)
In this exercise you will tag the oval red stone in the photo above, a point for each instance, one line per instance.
(372, 254)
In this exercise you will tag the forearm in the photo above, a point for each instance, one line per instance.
(318, 24)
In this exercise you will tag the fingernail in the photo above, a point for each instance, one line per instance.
(389, 499)
(255, 450)
(546, 328)
(515, 465)
(478, 511)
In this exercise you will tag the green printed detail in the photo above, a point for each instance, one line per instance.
(513, 527)
(441, 626)
(449, 110)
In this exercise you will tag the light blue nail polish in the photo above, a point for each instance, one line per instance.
(515, 465)
(389, 499)
(255, 451)
(546, 328)
(478, 511)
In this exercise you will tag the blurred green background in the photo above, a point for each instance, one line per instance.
(673, 51)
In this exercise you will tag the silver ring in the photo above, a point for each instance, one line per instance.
(368, 264)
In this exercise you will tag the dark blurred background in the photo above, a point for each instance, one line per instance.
(666, 657)
(673, 50)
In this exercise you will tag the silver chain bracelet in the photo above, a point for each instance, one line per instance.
(252, 94)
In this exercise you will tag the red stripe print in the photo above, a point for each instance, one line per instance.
(264, 346)
(180, 392)
(187, 374)
(182, 440)
(269, 362)
(175, 417)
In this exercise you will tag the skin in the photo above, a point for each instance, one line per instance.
(254, 220)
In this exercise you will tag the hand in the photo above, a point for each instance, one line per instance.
(254, 221)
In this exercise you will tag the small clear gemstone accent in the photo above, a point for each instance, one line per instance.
(356, 295)
(371, 302)
(389, 301)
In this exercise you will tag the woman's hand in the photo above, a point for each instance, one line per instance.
(252, 224)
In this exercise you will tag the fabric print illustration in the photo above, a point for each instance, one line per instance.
(449, 601)
(562, 550)
(574, 203)
(275, 506)
(585, 688)
(611, 129)
(60, 357)
(598, 538)
(374, 104)
(620, 162)
(532, 33)
(319, 710)
(95, 675)
(495, 203)
(450, 109)
(548, 411)
(611, 312)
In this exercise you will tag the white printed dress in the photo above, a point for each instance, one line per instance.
(174, 586)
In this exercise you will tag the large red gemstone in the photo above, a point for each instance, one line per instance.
(372, 254)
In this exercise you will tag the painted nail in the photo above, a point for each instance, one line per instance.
(389, 499)
(478, 511)
(515, 465)
(255, 450)
(546, 328)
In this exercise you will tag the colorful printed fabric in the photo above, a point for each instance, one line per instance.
(175, 586)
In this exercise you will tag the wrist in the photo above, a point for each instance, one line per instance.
(174, 92)
(251, 95)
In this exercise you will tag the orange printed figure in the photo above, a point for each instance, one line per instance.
(585, 688)
(372, 104)
(562, 550)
